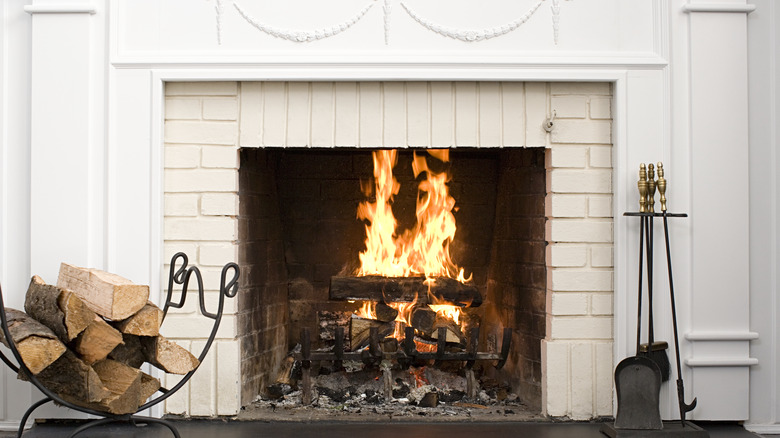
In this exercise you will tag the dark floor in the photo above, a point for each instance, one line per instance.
(239, 429)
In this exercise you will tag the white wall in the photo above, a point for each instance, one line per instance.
(764, 39)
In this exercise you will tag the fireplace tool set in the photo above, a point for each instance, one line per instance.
(180, 276)
(638, 378)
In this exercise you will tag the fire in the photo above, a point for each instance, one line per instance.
(367, 310)
(423, 250)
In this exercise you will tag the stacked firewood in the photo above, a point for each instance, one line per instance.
(85, 339)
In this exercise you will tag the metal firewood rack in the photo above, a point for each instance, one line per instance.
(180, 276)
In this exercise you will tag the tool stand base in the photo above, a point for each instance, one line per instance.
(671, 429)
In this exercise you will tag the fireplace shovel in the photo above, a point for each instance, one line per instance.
(638, 378)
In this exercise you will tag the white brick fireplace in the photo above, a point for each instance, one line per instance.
(122, 118)
(206, 123)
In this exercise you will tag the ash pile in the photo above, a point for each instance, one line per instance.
(386, 391)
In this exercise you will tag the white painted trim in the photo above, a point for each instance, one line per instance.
(721, 362)
(61, 8)
(718, 7)
(383, 66)
(763, 429)
(13, 425)
(721, 336)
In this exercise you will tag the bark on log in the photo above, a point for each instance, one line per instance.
(422, 319)
(108, 295)
(97, 341)
(70, 377)
(59, 309)
(384, 312)
(145, 322)
(168, 356)
(37, 344)
(360, 328)
(130, 352)
(393, 289)
(41, 303)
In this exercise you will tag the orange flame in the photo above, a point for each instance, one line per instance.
(423, 250)
(367, 310)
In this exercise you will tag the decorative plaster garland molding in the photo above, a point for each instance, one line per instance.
(302, 36)
(465, 35)
(387, 7)
(470, 35)
(219, 8)
(556, 19)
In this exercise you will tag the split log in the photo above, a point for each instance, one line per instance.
(108, 295)
(72, 379)
(360, 331)
(77, 315)
(149, 385)
(124, 388)
(394, 289)
(145, 322)
(384, 312)
(454, 335)
(37, 344)
(130, 352)
(97, 341)
(168, 356)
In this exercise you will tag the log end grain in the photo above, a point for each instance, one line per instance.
(168, 356)
(145, 322)
(38, 353)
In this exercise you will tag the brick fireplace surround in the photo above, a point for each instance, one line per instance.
(207, 123)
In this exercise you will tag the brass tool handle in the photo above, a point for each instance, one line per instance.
(642, 185)
(650, 188)
(662, 186)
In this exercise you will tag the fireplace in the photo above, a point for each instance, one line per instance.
(534, 217)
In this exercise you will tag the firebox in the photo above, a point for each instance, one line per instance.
(298, 230)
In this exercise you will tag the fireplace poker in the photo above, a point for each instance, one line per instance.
(684, 407)
(655, 351)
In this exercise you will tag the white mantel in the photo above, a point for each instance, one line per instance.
(83, 87)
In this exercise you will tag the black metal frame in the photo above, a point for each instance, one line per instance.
(181, 276)
(406, 354)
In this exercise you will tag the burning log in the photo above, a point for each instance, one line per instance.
(393, 289)
(360, 331)
(427, 322)
(384, 312)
